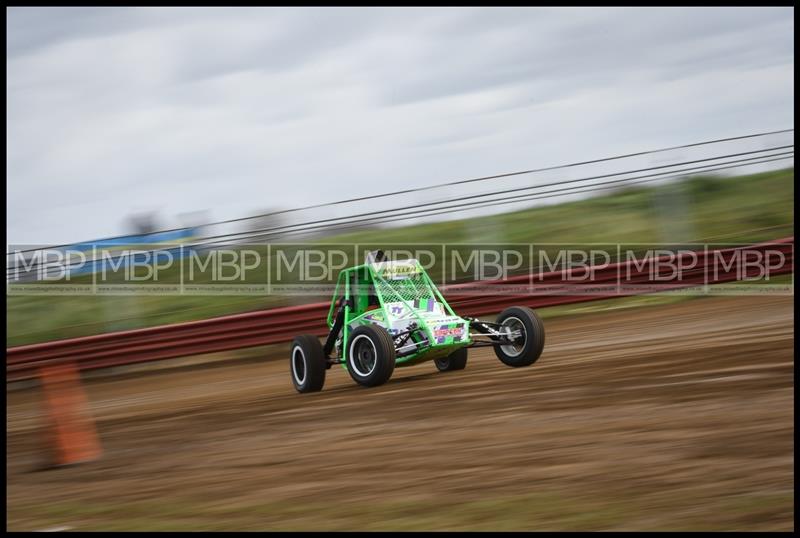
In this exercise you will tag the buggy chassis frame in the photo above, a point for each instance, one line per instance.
(490, 334)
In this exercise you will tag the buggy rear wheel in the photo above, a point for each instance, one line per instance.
(370, 355)
(529, 340)
(457, 360)
(307, 364)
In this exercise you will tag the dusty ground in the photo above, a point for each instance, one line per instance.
(674, 417)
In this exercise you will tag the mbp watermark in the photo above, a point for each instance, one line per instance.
(45, 265)
(314, 269)
(485, 262)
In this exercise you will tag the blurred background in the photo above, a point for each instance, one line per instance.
(217, 127)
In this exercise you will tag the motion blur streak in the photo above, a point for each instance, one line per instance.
(281, 324)
(659, 418)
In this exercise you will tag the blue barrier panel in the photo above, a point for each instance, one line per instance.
(117, 247)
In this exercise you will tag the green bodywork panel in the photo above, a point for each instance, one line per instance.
(394, 294)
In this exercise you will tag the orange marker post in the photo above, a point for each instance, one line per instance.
(71, 433)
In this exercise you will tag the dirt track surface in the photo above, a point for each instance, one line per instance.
(675, 417)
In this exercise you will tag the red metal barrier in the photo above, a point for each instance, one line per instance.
(282, 324)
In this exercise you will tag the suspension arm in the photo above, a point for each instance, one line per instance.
(338, 323)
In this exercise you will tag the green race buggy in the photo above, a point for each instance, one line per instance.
(389, 313)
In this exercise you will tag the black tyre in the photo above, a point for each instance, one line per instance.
(530, 343)
(307, 364)
(457, 360)
(370, 355)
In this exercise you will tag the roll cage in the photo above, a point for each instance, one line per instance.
(377, 291)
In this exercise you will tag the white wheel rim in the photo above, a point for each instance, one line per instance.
(358, 363)
(297, 353)
(514, 350)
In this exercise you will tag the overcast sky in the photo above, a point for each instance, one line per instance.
(116, 111)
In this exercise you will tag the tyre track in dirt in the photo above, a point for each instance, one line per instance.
(670, 410)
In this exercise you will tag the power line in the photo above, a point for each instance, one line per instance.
(514, 199)
(416, 213)
(447, 184)
(504, 191)
(582, 190)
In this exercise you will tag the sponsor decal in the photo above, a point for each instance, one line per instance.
(397, 270)
(449, 331)
(443, 332)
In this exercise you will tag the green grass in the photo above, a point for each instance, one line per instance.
(743, 209)
(563, 511)
(711, 207)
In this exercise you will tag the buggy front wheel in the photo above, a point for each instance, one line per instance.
(370, 355)
(526, 330)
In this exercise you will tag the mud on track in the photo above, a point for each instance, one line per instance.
(672, 417)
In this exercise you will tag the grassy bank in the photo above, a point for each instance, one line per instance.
(743, 209)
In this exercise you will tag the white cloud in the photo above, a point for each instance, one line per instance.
(112, 111)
